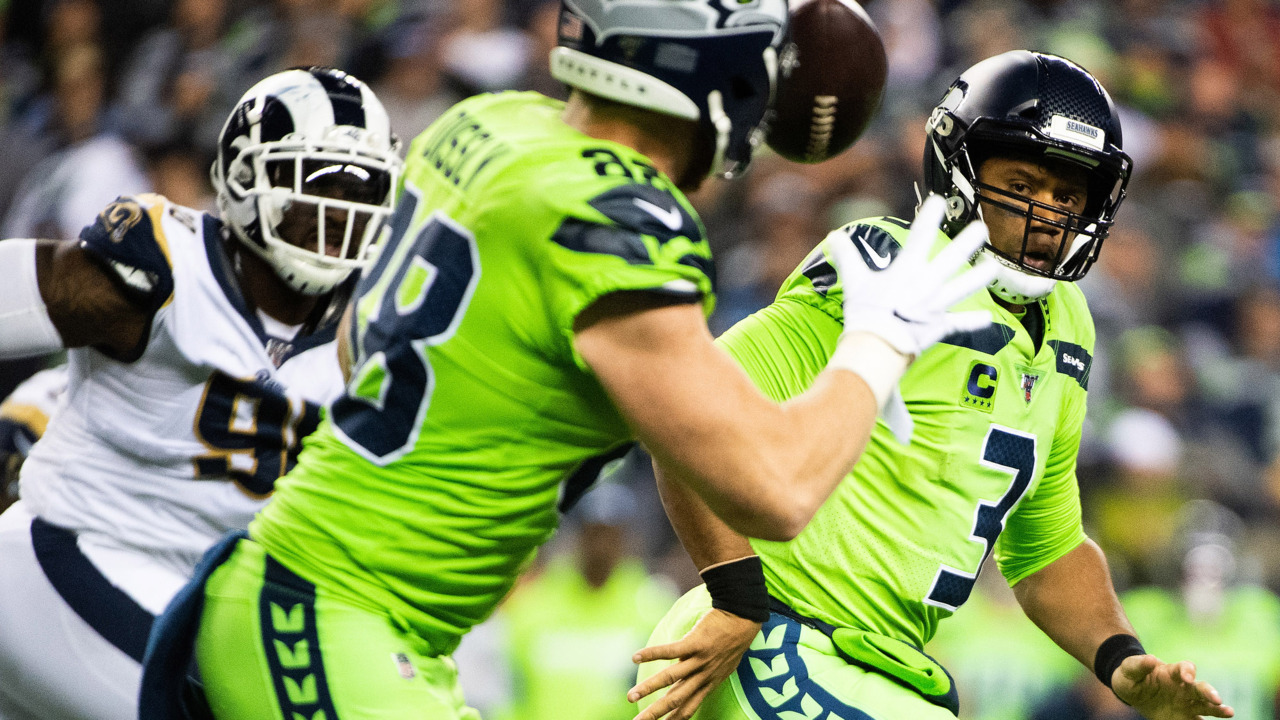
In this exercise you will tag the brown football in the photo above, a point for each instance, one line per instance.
(831, 75)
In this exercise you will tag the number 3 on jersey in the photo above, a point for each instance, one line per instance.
(414, 297)
(1004, 449)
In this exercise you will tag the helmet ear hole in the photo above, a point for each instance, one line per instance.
(741, 88)
(243, 174)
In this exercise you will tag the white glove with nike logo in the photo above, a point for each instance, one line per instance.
(893, 314)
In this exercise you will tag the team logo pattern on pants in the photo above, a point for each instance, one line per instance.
(776, 681)
(287, 610)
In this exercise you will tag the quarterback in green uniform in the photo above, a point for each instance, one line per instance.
(541, 303)
(1030, 143)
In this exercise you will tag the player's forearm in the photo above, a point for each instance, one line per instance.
(706, 537)
(1073, 601)
(765, 468)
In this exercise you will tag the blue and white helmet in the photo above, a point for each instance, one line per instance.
(289, 139)
(710, 61)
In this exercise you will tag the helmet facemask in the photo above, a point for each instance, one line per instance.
(319, 208)
(1026, 272)
(1082, 232)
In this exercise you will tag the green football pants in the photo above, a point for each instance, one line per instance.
(790, 672)
(272, 646)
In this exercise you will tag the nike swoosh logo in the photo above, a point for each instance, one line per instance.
(672, 218)
(880, 261)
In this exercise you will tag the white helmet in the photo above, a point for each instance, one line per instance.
(313, 137)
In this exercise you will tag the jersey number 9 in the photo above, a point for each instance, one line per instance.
(253, 432)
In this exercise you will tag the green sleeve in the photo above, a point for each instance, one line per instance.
(783, 347)
(603, 237)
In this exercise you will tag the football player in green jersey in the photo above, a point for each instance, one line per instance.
(541, 302)
(1031, 143)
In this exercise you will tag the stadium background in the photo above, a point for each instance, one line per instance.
(1180, 467)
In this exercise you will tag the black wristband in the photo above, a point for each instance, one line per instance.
(1112, 652)
(738, 587)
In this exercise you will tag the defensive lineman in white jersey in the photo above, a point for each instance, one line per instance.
(201, 351)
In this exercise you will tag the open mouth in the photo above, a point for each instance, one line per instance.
(1041, 261)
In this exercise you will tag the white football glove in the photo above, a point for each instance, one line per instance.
(894, 314)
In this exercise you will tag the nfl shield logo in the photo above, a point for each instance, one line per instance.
(1028, 382)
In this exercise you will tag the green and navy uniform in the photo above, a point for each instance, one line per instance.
(469, 418)
(991, 468)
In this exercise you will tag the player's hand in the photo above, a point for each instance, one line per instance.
(907, 304)
(1166, 691)
(707, 654)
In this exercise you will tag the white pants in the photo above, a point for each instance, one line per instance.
(64, 619)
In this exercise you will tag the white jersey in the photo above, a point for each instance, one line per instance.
(167, 450)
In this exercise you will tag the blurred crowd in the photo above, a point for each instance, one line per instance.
(1180, 468)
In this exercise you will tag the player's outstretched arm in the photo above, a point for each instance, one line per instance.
(1073, 602)
(56, 296)
(766, 467)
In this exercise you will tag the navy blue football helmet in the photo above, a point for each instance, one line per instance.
(1037, 105)
(711, 61)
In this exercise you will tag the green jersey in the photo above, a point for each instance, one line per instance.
(469, 414)
(991, 466)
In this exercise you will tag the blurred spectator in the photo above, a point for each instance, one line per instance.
(70, 24)
(66, 190)
(1000, 675)
(1133, 515)
(1151, 372)
(414, 88)
(311, 32)
(543, 30)
(1231, 253)
(576, 623)
(485, 53)
(912, 34)
(181, 174)
(984, 28)
(1129, 286)
(784, 227)
(183, 78)
(1244, 35)
(1230, 627)
(1244, 384)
